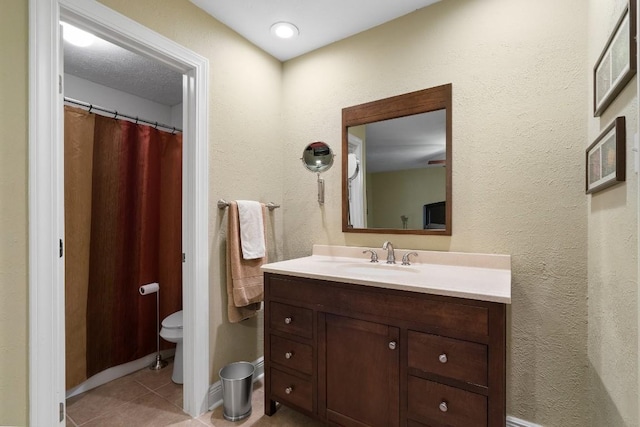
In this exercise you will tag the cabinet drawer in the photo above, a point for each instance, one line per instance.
(433, 402)
(291, 389)
(291, 354)
(453, 315)
(448, 357)
(291, 319)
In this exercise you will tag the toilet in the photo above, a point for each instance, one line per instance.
(172, 331)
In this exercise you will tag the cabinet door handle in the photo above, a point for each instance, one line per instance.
(392, 345)
(288, 355)
(288, 390)
(443, 406)
(443, 358)
(288, 320)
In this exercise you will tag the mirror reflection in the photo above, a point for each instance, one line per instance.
(409, 149)
(317, 157)
(397, 174)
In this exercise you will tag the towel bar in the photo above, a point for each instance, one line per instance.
(223, 204)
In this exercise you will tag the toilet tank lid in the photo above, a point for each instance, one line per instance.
(173, 321)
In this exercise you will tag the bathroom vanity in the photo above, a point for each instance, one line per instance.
(355, 343)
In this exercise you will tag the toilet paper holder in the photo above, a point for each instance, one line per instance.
(154, 288)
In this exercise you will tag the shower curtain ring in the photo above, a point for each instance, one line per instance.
(174, 131)
(156, 126)
(136, 119)
(115, 114)
(90, 107)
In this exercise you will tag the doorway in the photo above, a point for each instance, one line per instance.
(46, 201)
(122, 161)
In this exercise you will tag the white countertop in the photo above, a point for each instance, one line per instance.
(485, 277)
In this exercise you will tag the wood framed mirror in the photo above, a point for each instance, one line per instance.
(396, 164)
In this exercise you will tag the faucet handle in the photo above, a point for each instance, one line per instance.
(374, 255)
(405, 257)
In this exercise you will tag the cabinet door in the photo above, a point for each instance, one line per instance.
(362, 372)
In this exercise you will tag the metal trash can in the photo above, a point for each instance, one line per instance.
(237, 385)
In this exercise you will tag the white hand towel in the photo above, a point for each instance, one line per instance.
(251, 229)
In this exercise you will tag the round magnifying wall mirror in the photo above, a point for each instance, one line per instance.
(317, 157)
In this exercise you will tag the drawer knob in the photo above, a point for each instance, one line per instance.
(392, 345)
(288, 320)
(288, 355)
(288, 390)
(443, 358)
(443, 407)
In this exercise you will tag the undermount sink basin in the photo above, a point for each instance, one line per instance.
(376, 269)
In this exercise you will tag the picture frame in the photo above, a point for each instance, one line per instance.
(606, 157)
(617, 63)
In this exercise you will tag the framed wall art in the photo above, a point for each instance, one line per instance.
(606, 159)
(617, 62)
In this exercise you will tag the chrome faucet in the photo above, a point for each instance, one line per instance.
(391, 256)
(374, 255)
(405, 258)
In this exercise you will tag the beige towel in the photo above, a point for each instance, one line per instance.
(245, 283)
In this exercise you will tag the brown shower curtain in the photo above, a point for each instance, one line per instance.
(123, 220)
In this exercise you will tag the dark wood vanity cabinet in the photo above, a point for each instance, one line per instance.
(361, 365)
(354, 355)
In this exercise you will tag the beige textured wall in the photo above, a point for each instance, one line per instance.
(13, 213)
(519, 78)
(245, 155)
(613, 259)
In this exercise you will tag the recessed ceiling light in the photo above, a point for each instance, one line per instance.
(284, 30)
(76, 36)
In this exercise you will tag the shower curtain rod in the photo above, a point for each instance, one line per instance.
(116, 115)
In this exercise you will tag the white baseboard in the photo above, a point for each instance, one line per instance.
(215, 390)
(117, 372)
(516, 422)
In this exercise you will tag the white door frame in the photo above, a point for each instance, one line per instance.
(46, 199)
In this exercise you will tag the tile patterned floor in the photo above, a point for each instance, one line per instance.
(150, 398)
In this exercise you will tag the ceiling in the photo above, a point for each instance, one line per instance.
(112, 66)
(320, 23)
(409, 142)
